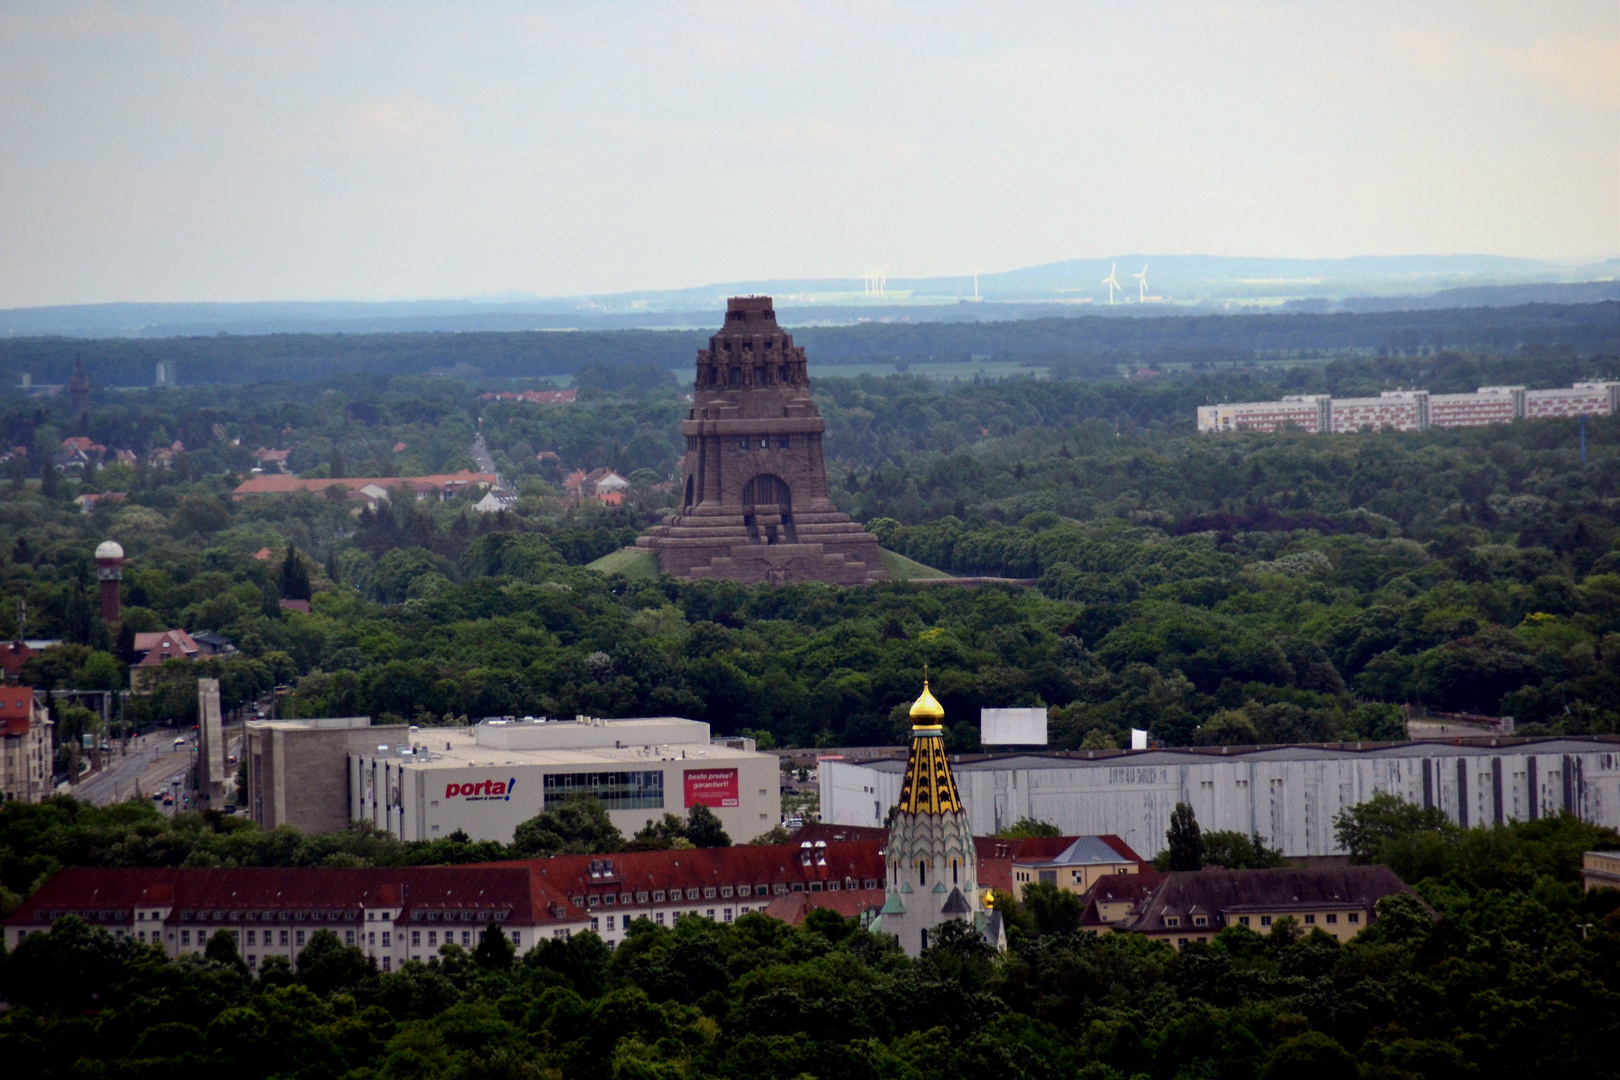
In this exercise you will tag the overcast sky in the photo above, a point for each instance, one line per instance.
(244, 151)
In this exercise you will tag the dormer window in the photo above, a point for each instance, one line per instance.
(1172, 920)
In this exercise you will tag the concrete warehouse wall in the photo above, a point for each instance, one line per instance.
(1289, 796)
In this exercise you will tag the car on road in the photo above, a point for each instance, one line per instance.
(168, 800)
(179, 743)
(157, 794)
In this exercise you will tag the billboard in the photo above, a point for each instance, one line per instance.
(711, 787)
(1012, 727)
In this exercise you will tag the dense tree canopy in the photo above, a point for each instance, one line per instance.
(1500, 967)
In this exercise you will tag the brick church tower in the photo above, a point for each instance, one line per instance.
(754, 501)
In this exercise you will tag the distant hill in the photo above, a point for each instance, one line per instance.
(1172, 335)
(1183, 283)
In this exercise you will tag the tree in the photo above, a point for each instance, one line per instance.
(578, 825)
(1367, 828)
(326, 964)
(1234, 851)
(1027, 827)
(49, 483)
(294, 576)
(495, 950)
(1184, 848)
(703, 828)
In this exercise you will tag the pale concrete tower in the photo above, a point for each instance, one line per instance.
(932, 864)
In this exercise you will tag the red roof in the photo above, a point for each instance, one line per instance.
(793, 907)
(16, 709)
(535, 397)
(161, 645)
(12, 655)
(996, 855)
(279, 484)
(532, 890)
(294, 605)
(499, 887)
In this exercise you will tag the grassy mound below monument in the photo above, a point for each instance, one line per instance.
(639, 563)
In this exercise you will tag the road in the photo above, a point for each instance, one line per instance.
(480, 453)
(152, 764)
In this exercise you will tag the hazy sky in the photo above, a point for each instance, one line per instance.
(246, 151)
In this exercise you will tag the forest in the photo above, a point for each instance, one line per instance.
(1498, 966)
(1233, 589)
(1237, 337)
(1213, 589)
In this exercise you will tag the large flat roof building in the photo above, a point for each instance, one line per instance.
(486, 779)
(1288, 795)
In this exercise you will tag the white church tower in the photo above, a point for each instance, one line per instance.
(932, 864)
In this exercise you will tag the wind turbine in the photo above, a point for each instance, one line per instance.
(1112, 282)
(1141, 283)
(975, 282)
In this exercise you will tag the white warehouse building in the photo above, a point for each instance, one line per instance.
(1287, 795)
(486, 779)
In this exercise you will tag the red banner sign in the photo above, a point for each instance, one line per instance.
(711, 787)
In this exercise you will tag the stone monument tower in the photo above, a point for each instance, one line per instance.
(933, 865)
(754, 501)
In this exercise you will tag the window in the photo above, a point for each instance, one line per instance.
(1243, 920)
(711, 914)
(185, 937)
(348, 937)
(1200, 920)
(433, 938)
(596, 924)
(1265, 920)
(252, 937)
(142, 935)
(371, 938)
(1310, 920)
(708, 894)
(299, 936)
(658, 917)
(640, 790)
(1333, 918)
(466, 937)
(1180, 941)
(416, 937)
(1354, 916)
(1172, 920)
(517, 938)
(922, 871)
(728, 914)
(386, 936)
(783, 443)
(388, 963)
(610, 923)
(925, 940)
(726, 892)
(253, 960)
(283, 936)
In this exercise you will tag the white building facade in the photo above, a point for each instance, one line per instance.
(1288, 795)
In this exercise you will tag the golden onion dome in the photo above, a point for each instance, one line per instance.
(925, 710)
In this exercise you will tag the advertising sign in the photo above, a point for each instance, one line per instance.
(711, 787)
(1012, 727)
(482, 790)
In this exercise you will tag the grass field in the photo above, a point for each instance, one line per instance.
(901, 568)
(631, 562)
(636, 563)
